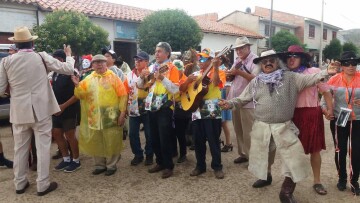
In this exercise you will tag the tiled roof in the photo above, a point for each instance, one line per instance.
(227, 29)
(92, 8)
(207, 22)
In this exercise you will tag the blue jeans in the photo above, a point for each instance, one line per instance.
(134, 135)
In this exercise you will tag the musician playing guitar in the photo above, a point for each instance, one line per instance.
(159, 103)
(207, 119)
(244, 71)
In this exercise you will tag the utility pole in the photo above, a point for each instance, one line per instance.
(321, 37)
(270, 34)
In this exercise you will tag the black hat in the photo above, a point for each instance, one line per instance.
(107, 49)
(142, 55)
(60, 53)
(349, 56)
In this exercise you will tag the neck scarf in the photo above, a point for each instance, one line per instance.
(272, 80)
(299, 70)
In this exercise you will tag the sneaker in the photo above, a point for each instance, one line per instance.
(197, 172)
(341, 185)
(137, 160)
(149, 160)
(62, 165)
(7, 163)
(73, 166)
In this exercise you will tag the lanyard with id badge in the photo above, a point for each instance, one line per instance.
(344, 112)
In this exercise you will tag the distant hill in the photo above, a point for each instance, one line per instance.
(352, 35)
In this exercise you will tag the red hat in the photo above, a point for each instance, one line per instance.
(295, 50)
(88, 57)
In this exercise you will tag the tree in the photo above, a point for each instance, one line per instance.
(349, 46)
(333, 50)
(283, 39)
(177, 28)
(73, 28)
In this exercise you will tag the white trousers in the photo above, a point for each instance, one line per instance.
(22, 138)
(266, 138)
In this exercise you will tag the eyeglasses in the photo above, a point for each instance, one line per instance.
(348, 63)
(293, 55)
(265, 61)
(203, 59)
(99, 62)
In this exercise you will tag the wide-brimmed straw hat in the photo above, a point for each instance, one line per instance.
(241, 41)
(22, 34)
(265, 54)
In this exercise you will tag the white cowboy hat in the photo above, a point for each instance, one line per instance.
(241, 41)
(265, 54)
(22, 34)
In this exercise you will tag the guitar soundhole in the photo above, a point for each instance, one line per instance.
(188, 96)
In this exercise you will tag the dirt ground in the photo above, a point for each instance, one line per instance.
(135, 184)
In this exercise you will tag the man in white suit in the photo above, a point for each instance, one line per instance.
(31, 106)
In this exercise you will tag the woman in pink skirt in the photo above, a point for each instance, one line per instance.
(308, 115)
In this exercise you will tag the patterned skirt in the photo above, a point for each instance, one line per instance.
(310, 122)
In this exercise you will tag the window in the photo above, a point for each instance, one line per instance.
(267, 30)
(312, 31)
(333, 35)
(324, 34)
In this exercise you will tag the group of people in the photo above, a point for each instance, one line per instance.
(274, 101)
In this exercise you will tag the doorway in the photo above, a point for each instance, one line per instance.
(127, 50)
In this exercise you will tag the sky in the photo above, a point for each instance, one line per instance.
(341, 13)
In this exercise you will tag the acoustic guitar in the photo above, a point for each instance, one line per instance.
(192, 98)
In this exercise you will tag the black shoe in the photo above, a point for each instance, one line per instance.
(355, 188)
(227, 148)
(167, 173)
(240, 160)
(341, 185)
(219, 174)
(52, 187)
(98, 171)
(23, 190)
(110, 172)
(197, 172)
(136, 160)
(7, 163)
(149, 160)
(262, 183)
(181, 159)
(155, 169)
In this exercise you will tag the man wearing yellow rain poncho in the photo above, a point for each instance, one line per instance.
(103, 108)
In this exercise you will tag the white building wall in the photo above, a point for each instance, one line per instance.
(314, 43)
(16, 15)
(218, 42)
(107, 25)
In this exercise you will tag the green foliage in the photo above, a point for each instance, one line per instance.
(333, 50)
(283, 39)
(177, 28)
(73, 28)
(349, 46)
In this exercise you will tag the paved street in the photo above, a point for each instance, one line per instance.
(134, 184)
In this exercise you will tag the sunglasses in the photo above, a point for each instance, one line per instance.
(293, 55)
(348, 63)
(265, 61)
(203, 59)
(139, 60)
